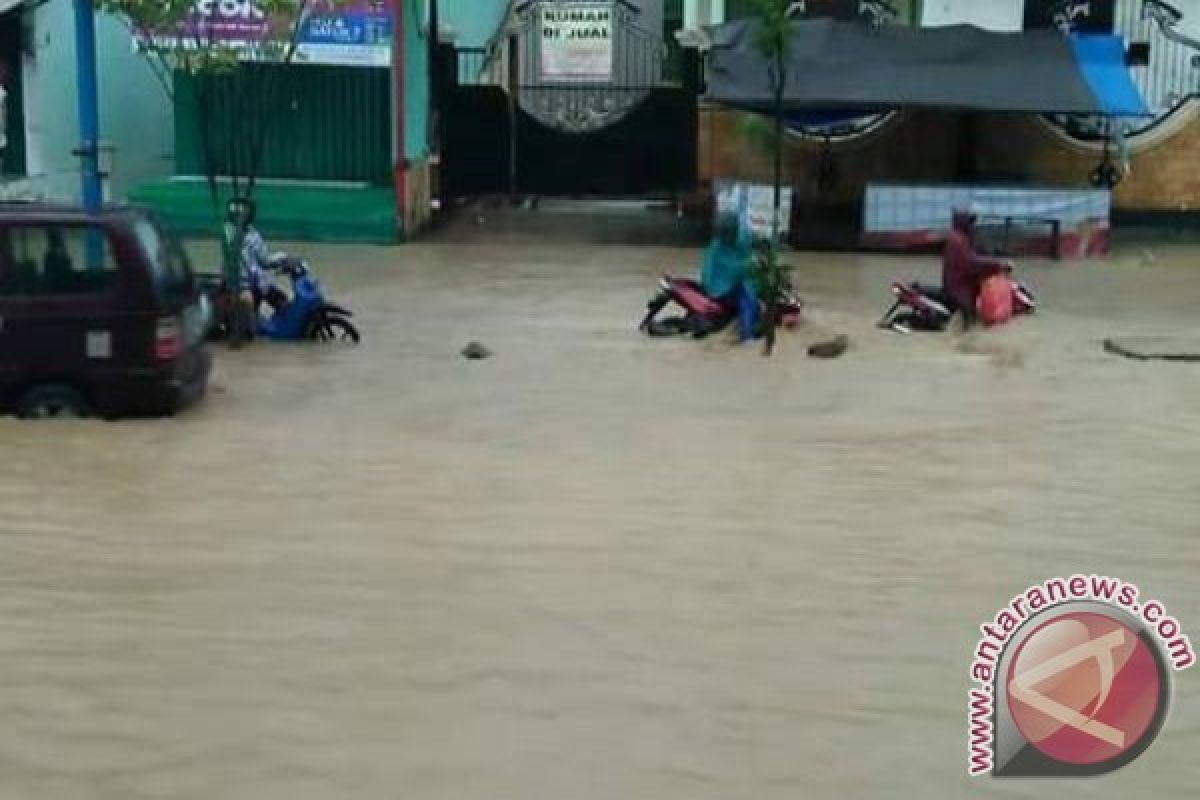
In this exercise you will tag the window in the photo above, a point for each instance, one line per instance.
(672, 24)
(172, 273)
(12, 116)
(44, 260)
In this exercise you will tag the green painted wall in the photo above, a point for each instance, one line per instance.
(330, 123)
(416, 82)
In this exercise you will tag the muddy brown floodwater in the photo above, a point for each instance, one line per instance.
(595, 565)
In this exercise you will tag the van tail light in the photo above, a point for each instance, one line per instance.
(168, 339)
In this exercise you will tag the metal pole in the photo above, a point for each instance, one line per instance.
(514, 84)
(434, 119)
(89, 113)
(399, 116)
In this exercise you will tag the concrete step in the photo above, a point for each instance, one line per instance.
(296, 211)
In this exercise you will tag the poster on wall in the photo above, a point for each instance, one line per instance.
(1074, 223)
(336, 32)
(754, 204)
(576, 41)
(1078, 16)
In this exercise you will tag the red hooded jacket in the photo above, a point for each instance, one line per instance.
(964, 270)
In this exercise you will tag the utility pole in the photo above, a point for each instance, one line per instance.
(88, 91)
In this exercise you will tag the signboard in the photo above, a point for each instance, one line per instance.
(349, 32)
(576, 42)
(1001, 16)
(754, 205)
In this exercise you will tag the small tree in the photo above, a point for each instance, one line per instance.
(771, 275)
(181, 43)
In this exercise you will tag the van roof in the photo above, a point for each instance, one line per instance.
(51, 212)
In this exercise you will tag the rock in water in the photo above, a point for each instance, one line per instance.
(833, 348)
(1156, 348)
(476, 351)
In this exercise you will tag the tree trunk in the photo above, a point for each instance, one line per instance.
(770, 325)
(780, 81)
(771, 291)
(235, 317)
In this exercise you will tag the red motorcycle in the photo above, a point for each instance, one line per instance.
(702, 315)
(928, 308)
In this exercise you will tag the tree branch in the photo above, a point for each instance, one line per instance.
(289, 56)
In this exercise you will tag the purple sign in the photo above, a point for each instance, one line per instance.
(351, 32)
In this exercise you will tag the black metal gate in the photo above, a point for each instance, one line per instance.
(506, 129)
(476, 126)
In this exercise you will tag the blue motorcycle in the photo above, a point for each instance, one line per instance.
(306, 315)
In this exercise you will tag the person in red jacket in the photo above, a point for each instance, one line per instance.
(963, 269)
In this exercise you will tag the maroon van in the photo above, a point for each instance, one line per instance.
(99, 315)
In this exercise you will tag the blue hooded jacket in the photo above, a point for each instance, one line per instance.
(726, 264)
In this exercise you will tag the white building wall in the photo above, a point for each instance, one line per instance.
(993, 15)
(697, 13)
(1172, 74)
(136, 119)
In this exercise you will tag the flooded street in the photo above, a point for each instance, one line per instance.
(595, 565)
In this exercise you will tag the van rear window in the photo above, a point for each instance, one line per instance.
(167, 259)
(40, 260)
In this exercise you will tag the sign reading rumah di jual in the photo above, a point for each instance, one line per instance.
(1072, 677)
(577, 41)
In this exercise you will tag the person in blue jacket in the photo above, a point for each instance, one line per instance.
(725, 273)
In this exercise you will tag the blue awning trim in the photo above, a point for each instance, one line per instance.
(1101, 60)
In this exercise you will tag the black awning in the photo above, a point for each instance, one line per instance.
(834, 65)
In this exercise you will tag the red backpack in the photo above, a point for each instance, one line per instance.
(995, 303)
